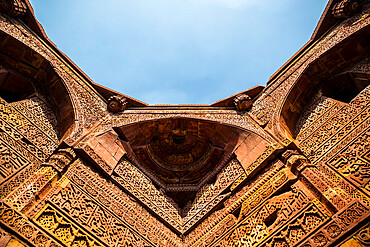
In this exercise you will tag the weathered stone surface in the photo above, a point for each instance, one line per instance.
(78, 168)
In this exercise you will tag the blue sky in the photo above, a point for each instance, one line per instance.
(179, 51)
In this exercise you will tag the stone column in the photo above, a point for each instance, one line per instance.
(333, 197)
(25, 196)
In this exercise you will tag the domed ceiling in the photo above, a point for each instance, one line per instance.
(181, 154)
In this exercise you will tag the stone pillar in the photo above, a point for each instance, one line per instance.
(40, 183)
(333, 197)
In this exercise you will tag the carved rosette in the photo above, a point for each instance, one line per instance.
(116, 103)
(13, 7)
(345, 9)
(243, 102)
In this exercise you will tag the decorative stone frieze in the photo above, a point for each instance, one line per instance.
(291, 168)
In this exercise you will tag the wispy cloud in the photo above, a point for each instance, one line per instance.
(179, 51)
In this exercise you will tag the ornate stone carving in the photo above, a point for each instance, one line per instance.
(112, 215)
(63, 229)
(294, 161)
(338, 225)
(243, 102)
(345, 8)
(25, 195)
(13, 7)
(26, 229)
(363, 236)
(116, 103)
(61, 159)
(279, 180)
(258, 163)
(289, 203)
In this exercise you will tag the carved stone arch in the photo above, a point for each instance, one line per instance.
(243, 122)
(345, 86)
(179, 152)
(321, 73)
(24, 73)
(86, 104)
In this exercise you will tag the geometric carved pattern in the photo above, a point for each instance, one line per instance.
(63, 229)
(26, 229)
(315, 115)
(139, 185)
(262, 193)
(10, 162)
(296, 230)
(363, 236)
(345, 120)
(102, 224)
(28, 134)
(11, 184)
(25, 194)
(97, 214)
(354, 159)
(237, 186)
(40, 114)
(207, 198)
(275, 212)
(22, 141)
(315, 109)
(207, 195)
(338, 225)
(344, 144)
(210, 228)
(349, 119)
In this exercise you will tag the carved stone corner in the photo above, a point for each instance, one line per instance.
(16, 8)
(345, 9)
(294, 161)
(287, 154)
(116, 103)
(61, 159)
(288, 142)
(243, 102)
(289, 174)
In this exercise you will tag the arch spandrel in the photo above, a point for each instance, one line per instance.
(195, 176)
(123, 146)
(228, 117)
(243, 124)
(272, 103)
(83, 106)
(320, 74)
(31, 76)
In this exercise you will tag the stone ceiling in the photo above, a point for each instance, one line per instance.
(180, 152)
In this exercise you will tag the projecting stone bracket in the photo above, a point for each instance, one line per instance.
(295, 161)
(116, 103)
(243, 102)
(61, 159)
(334, 197)
(16, 8)
(104, 150)
(250, 169)
(345, 9)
